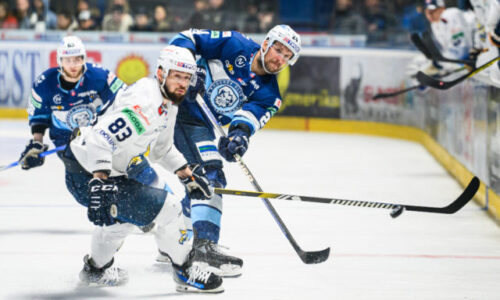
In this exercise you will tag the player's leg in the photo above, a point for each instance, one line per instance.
(172, 240)
(98, 268)
(197, 145)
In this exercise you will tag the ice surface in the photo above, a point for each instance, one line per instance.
(44, 233)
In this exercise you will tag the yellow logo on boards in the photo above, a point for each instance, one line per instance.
(132, 68)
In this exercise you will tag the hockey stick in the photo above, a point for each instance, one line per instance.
(397, 209)
(429, 49)
(387, 95)
(43, 154)
(444, 85)
(308, 257)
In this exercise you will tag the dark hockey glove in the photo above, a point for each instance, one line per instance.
(197, 84)
(139, 170)
(198, 186)
(236, 142)
(30, 157)
(102, 208)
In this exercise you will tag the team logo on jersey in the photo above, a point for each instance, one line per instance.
(225, 95)
(57, 99)
(240, 61)
(81, 116)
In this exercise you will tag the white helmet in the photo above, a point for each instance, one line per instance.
(288, 37)
(71, 46)
(176, 58)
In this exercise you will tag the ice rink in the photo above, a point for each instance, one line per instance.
(44, 233)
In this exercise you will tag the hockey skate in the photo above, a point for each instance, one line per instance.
(208, 253)
(194, 278)
(105, 276)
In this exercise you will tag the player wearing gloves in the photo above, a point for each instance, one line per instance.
(63, 98)
(237, 78)
(112, 176)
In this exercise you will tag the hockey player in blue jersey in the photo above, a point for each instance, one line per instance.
(237, 77)
(66, 97)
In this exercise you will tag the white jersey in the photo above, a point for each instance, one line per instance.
(453, 33)
(136, 123)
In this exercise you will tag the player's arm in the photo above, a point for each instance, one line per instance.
(207, 43)
(253, 115)
(39, 114)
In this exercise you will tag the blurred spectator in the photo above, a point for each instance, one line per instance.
(251, 23)
(345, 20)
(86, 21)
(380, 22)
(95, 13)
(161, 21)
(142, 21)
(42, 18)
(413, 18)
(22, 13)
(218, 18)
(266, 17)
(7, 20)
(199, 18)
(65, 21)
(117, 19)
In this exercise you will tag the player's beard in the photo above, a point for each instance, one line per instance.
(69, 77)
(177, 99)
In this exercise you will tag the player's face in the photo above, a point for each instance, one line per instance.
(433, 15)
(277, 57)
(72, 67)
(177, 84)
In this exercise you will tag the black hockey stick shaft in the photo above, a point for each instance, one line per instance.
(453, 207)
(308, 257)
(387, 95)
(444, 85)
(428, 47)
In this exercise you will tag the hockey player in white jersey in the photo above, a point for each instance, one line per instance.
(453, 33)
(451, 29)
(124, 191)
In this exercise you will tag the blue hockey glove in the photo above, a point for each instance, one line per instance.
(197, 84)
(102, 208)
(198, 186)
(235, 143)
(30, 157)
(139, 170)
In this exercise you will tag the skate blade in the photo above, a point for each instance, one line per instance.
(229, 271)
(189, 289)
(226, 271)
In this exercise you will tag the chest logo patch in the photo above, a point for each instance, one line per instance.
(225, 95)
(81, 116)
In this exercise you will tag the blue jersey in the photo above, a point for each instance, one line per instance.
(62, 111)
(233, 92)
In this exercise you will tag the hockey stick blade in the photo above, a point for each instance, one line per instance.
(444, 85)
(397, 209)
(314, 257)
(456, 205)
(387, 95)
(43, 154)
